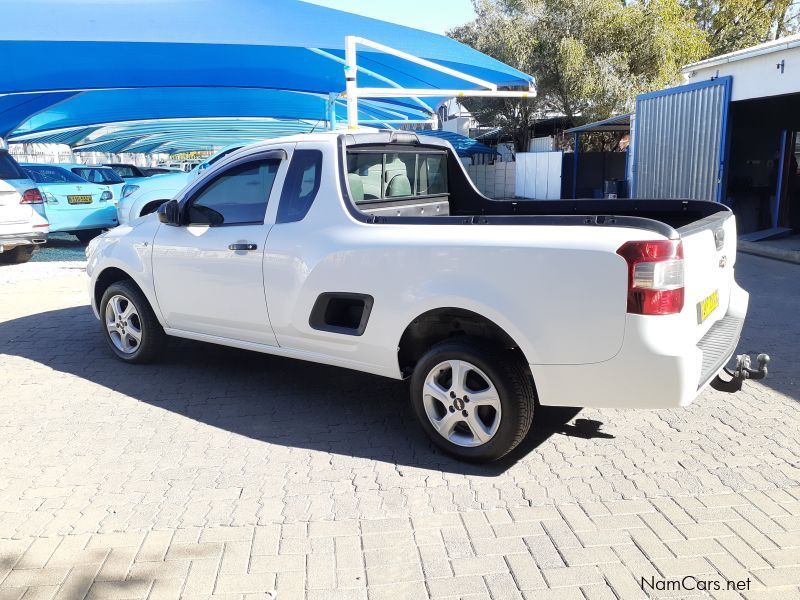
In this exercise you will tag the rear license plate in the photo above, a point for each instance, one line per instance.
(79, 199)
(706, 307)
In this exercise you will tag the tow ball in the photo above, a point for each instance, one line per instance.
(741, 372)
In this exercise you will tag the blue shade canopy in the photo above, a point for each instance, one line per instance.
(177, 136)
(63, 59)
(463, 145)
(113, 106)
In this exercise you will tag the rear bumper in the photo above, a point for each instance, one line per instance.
(12, 240)
(658, 365)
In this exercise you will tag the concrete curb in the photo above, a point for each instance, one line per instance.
(761, 249)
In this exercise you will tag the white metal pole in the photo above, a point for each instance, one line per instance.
(351, 89)
(426, 63)
(370, 73)
(436, 92)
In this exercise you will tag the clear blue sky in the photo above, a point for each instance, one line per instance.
(432, 15)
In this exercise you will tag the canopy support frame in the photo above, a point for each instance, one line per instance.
(353, 92)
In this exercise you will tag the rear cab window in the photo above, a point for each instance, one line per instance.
(384, 179)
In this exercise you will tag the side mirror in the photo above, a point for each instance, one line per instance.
(169, 213)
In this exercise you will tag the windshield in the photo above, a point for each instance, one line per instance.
(98, 174)
(51, 174)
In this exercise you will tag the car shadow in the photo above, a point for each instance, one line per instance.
(273, 399)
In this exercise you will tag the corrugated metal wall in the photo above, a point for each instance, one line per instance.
(679, 141)
(541, 144)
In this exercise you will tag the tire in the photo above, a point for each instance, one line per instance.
(121, 325)
(17, 255)
(87, 235)
(504, 421)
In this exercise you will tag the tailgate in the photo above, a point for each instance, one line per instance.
(709, 250)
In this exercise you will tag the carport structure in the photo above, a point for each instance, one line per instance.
(88, 71)
(598, 167)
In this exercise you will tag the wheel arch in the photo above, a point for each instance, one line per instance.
(438, 324)
(108, 277)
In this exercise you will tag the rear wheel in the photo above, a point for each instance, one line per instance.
(87, 235)
(474, 400)
(17, 255)
(129, 325)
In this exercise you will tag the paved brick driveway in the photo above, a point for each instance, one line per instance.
(224, 473)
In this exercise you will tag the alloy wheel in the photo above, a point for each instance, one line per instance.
(462, 403)
(123, 324)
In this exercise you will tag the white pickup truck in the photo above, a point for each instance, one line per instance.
(374, 251)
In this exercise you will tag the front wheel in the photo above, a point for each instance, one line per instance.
(474, 400)
(129, 324)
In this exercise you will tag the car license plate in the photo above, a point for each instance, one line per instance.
(706, 307)
(79, 199)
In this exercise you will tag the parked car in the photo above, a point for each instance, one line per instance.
(73, 205)
(375, 252)
(22, 224)
(143, 197)
(100, 175)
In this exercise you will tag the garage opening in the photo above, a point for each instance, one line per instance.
(763, 187)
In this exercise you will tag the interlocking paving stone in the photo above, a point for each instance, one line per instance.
(220, 472)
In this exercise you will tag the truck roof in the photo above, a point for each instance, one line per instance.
(358, 136)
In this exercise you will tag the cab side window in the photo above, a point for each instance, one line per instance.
(236, 197)
(301, 186)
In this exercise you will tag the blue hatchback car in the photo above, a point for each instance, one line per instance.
(72, 204)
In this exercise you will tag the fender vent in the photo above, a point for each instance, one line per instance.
(341, 312)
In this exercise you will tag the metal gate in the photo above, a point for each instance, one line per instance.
(680, 141)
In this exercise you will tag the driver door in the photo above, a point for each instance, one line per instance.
(208, 272)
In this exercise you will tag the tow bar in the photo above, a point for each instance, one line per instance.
(741, 372)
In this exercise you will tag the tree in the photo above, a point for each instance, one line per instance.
(735, 24)
(590, 57)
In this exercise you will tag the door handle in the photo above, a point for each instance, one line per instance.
(242, 246)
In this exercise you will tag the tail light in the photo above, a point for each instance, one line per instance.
(655, 276)
(32, 196)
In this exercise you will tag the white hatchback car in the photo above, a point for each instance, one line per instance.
(22, 224)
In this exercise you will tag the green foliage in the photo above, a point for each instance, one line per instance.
(735, 24)
(592, 57)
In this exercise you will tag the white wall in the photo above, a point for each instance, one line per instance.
(538, 175)
(757, 76)
(494, 181)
